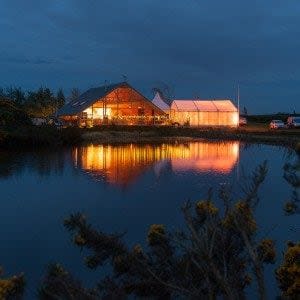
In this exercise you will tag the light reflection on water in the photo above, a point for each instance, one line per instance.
(123, 164)
(40, 189)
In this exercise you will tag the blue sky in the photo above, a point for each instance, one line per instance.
(197, 47)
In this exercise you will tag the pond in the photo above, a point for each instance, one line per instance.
(124, 188)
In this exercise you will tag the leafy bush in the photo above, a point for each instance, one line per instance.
(11, 115)
(288, 274)
(11, 288)
(217, 255)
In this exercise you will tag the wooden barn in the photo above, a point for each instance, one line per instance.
(118, 104)
(204, 113)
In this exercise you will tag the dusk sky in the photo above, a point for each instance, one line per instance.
(198, 48)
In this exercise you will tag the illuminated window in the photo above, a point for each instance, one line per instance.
(97, 113)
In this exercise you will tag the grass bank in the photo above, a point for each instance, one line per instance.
(252, 133)
(49, 136)
(38, 136)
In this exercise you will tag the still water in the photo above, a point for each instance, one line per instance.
(124, 188)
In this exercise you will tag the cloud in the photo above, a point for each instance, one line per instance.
(203, 46)
(21, 59)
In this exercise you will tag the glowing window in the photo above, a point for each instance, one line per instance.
(97, 113)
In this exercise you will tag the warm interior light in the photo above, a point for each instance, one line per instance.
(204, 113)
(97, 113)
(235, 119)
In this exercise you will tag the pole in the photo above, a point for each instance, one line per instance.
(104, 103)
(238, 162)
(238, 98)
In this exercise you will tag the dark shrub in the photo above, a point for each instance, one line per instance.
(11, 114)
(70, 135)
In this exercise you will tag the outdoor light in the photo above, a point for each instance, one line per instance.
(235, 119)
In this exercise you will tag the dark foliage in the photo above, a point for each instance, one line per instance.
(45, 135)
(291, 175)
(59, 284)
(11, 114)
(11, 288)
(217, 254)
(40, 103)
(288, 273)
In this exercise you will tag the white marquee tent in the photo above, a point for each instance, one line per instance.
(160, 103)
(204, 113)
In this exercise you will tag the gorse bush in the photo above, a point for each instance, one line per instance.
(11, 288)
(288, 274)
(218, 254)
(292, 176)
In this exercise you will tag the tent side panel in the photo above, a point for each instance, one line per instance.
(193, 118)
(205, 118)
(228, 118)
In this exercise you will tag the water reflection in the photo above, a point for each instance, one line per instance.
(123, 164)
(43, 162)
(205, 157)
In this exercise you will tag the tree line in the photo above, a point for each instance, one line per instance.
(41, 103)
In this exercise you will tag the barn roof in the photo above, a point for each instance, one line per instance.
(92, 95)
(203, 105)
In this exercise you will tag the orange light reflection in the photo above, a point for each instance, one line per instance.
(218, 157)
(123, 164)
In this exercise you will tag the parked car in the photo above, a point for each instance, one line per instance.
(55, 122)
(39, 121)
(243, 121)
(293, 122)
(276, 124)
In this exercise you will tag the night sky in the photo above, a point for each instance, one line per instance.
(199, 48)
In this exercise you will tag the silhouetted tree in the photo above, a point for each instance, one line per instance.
(292, 176)
(59, 100)
(75, 93)
(15, 94)
(41, 103)
(11, 114)
(288, 273)
(2, 92)
(11, 288)
(217, 255)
